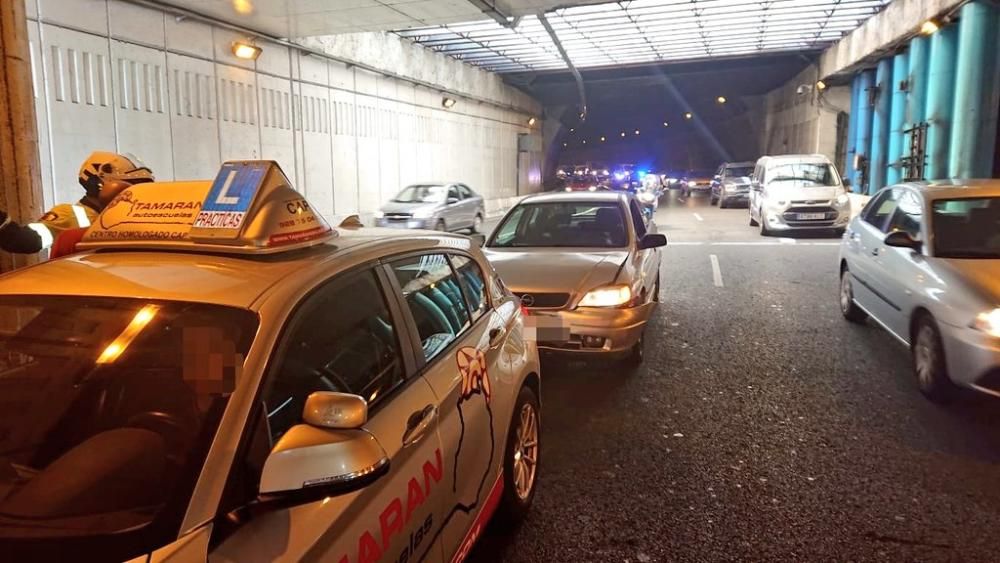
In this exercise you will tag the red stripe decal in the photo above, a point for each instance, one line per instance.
(476, 530)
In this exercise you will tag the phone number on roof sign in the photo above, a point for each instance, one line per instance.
(219, 219)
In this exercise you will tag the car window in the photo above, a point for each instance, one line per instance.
(967, 227)
(880, 209)
(433, 294)
(473, 284)
(453, 193)
(508, 230)
(908, 215)
(638, 219)
(465, 191)
(342, 339)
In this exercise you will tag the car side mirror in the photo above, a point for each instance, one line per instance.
(902, 239)
(328, 455)
(452, 200)
(652, 240)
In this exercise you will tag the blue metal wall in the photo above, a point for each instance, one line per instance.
(951, 82)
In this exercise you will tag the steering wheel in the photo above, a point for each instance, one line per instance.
(175, 433)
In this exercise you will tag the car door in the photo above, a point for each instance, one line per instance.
(646, 262)
(899, 272)
(470, 202)
(463, 337)
(866, 244)
(756, 185)
(347, 336)
(454, 211)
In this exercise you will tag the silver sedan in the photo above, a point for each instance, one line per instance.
(923, 261)
(435, 205)
(586, 266)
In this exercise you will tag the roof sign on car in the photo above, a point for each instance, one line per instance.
(250, 207)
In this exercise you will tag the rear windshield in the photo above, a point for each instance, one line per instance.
(563, 224)
(967, 227)
(105, 405)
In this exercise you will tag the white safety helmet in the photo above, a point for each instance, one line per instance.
(102, 166)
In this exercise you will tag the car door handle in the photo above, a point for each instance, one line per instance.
(418, 424)
(496, 336)
(875, 251)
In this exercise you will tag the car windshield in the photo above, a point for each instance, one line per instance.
(422, 194)
(108, 406)
(967, 227)
(563, 224)
(699, 174)
(737, 171)
(808, 173)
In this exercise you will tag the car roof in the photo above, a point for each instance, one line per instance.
(945, 189)
(576, 196)
(735, 164)
(796, 158)
(236, 280)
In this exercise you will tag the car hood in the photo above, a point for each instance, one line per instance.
(797, 189)
(980, 275)
(556, 270)
(400, 207)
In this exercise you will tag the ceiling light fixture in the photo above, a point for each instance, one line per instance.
(246, 51)
(447, 102)
(688, 115)
(666, 124)
(602, 139)
(721, 99)
(623, 133)
(531, 121)
(636, 131)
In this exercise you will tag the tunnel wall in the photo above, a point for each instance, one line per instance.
(109, 75)
(951, 85)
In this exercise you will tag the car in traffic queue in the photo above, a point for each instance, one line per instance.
(696, 181)
(731, 184)
(922, 260)
(798, 192)
(222, 375)
(438, 205)
(587, 268)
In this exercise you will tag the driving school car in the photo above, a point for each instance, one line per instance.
(222, 374)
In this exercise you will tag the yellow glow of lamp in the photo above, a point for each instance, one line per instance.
(142, 318)
(246, 51)
(929, 27)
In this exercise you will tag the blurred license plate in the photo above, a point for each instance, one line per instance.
(811, 216)
(542, 327)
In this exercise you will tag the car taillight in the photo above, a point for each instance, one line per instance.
(525, 311)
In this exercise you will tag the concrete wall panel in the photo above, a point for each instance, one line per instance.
(194, 114)
(142, 109)
(137, 24)
(41, 112)
(189, 36)
(86, 15)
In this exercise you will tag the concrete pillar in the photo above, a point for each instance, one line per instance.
(20, 168)
(880, 125)
(847, 167)
(940, 100)
(977, 86)
(916, 97)
(863, 132)
(897, 119)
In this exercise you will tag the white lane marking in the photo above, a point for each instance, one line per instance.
(786, 240)
(697, 216)
(685, 243)
(716, 272)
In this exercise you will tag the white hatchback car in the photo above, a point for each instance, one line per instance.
(223, 376)
(923, 261)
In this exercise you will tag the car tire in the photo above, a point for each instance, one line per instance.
(764, 231)
(637, 353)
(753, 222)
(722, 203)
(848, 307)
(929, 362)
(477, 224)
(713, 201)
(656, 290)
(440, 226)
(839, 233)
(516, 499)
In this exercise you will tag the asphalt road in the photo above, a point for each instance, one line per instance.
(762, 426)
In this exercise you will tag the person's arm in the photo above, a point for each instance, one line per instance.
(22, 239)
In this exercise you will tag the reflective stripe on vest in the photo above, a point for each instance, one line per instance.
(81, 216)
(43, 232)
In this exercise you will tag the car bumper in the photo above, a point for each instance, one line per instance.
(973, 358)
(737, 197)
(405, 223)
(777, 222)
(589, 330)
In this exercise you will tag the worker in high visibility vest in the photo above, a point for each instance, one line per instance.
(103, 175)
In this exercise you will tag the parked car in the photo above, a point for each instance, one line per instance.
(923, 261)
(228, 378)
(798, 192)
(731, 184)
(438, 205)
(586, 266)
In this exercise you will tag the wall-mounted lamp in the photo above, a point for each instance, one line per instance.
(532, 121)
(820, 85)
(447, 102)
(246, 51)
(929, 27)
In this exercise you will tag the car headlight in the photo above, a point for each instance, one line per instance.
(989, 322)
(592, 189)
(619, 176)
(671, 180)
(842, 200)
(569, 189)
(611, 296)
(425, 213)
(776, 204)
(379, 214)
(692, 183)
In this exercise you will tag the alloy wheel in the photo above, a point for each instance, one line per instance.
(526, 451)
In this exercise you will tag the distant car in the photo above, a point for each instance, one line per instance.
(923, 261)
(587, 268)
(731, 184)
(330, 390)
(439, 206)
(798, 192)
(585, 183)
(624, 177)
(696, 181)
